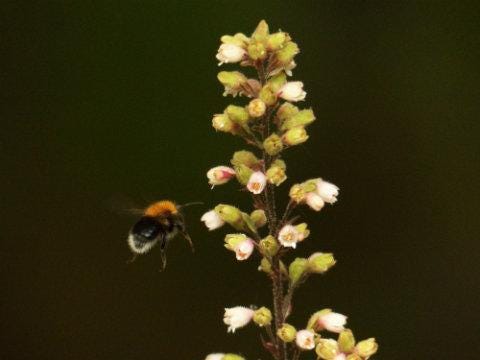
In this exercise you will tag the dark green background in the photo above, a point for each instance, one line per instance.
(113, 100)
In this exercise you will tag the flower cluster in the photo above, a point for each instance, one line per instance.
(271, 123)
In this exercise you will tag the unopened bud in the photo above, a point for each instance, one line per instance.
(233, 357)
(276, 40)
(232, 80)
(269, 246)
(273, 144)
(267, 95)
(286, 54)
(259, 218)
(244, 157)
(302, 118)
(230, 214)
(327, 349)
(297, 269)
(353, 357)
(276, 82)
(320, 262)
(295, 136)
(237, 114)
(346, 341)
(303, 231)
(262, 316)
(366, 348)
(286, 111)
(243, 173)
(261, 32)
(276, 175)
(287, 333)
(256, 108)
(297, 193)
(222, 122)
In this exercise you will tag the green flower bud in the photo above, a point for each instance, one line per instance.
(259, 218)
(232, 357)
(327, 349)
(346, 341)
(261, 32)
(276, 175)
(265, 266)
(297, 193)
(312, 322)
(286, 54)
(280, 163)
(273, 144)
(230, 214)
(276, 40)
(295, 136)
(257, 51)
(232, 240)
(277, 81)
(269, 246)
(286, 111)
(320, 262)
(222, 122)
(243, 173)
(244, 157)
(303, 230)
(287, 333)
(262, 316)
(302, 118)
(267, 95)
(297, 269)
(231, 79)
(248, 223)
(366, 348)
(237, 114)
(256, 108)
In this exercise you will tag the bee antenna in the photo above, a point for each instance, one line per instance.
(190, 204)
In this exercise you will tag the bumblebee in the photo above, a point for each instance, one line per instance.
(160, 222)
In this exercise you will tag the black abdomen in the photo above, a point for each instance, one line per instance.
(147, 227)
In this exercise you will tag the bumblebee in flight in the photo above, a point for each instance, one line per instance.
(159, 223)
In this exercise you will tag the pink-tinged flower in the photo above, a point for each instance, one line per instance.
(289, 236)
(217, 356)
(315, 201)
(244, 249)
(331, 321)
(327, 191)
(305, 339)
(237, 317)
(340, 356)
(292, 91)
(230, 53)
(257, 182)
(220, 175)
(212, 220)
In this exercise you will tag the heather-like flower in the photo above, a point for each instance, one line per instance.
(327, 191)
(327, 349)
(237, 317)
(230, 53)
(220, 175)
(340, 356)
(331, 321)
(315, 201)
(295, 136)
(257, 182)
(289, 236)
(292, 91)
(244, 249)
(305, 339)
(366, 348)
(256, 108)
(212, 220)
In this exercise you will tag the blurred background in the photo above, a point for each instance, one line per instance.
(113, 100)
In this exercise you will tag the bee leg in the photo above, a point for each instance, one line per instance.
(189, 239)
(164, 260)
(134, 257)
